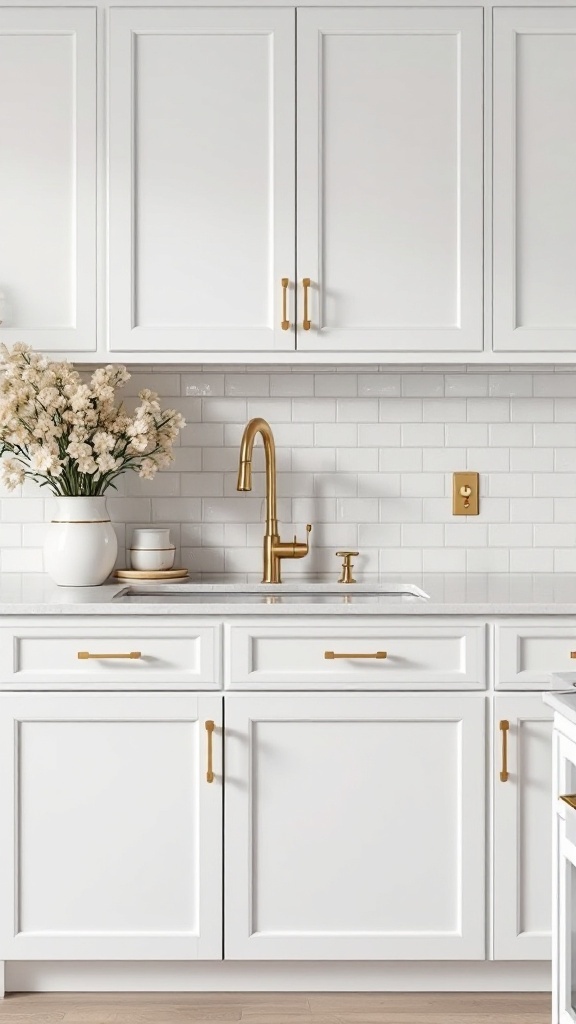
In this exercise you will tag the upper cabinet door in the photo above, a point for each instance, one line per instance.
(390, 178)
(534, 180)
(201, 165)
(48, 177)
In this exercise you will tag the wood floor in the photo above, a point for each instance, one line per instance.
(269, 1008)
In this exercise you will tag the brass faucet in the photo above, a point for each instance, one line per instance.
(274, 548)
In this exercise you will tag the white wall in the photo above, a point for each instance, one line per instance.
(366, 457)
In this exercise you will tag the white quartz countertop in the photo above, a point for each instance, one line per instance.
(450, 594)
(563, 703)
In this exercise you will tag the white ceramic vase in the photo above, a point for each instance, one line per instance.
(80, 546)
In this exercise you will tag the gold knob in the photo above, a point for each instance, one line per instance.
(346, 575)
(573, 654)
(285, 324)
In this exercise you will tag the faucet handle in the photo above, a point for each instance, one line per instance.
(346, 575)
(302, 549)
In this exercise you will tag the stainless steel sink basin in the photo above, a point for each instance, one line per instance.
(290, 593)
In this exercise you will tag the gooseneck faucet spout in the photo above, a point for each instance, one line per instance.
(274, 549)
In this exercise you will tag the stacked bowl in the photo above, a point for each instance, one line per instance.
(151, 550)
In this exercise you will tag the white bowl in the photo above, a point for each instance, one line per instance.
(152, 559)
(151, 537)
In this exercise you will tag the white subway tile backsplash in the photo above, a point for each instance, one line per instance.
(423, 385)
(379, 385)
(408, 410)
(366, 455)
(465, 385)
(532, 410)
(510, 435)
(422, 435)
(357, 410)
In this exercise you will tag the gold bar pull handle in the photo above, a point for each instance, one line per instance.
(504, 727)
(209, 768)
(130, 655)
(285, 324)
(306, 323)
(570, 799)
(332, 655)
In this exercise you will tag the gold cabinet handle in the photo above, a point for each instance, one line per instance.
(86, 655)
(570, 799)
(504, 727)
(209, 769)
(306, 324)
(331, 655)
(573, 654)
(285, 324)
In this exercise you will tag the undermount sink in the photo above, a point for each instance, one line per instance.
(289, 592)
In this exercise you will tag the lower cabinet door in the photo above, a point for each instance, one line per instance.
(111, 838)
(522, 828)
(355, 827)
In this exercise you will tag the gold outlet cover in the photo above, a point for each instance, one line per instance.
(465, 494)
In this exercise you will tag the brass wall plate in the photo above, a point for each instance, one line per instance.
(465, 494)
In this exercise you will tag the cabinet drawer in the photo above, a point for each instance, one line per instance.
(300, 656)
(48, 655)
(528, 654)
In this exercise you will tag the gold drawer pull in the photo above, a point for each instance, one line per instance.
(570, 799)
(504, 727)
(331, 655)
(85, 656)
(573, 654)
(209, 769)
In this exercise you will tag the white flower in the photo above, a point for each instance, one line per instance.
(43, 460)
(60, 424)
(148, 469)
(12, 473)
(106, 462)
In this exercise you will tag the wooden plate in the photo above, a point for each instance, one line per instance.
(151, 574)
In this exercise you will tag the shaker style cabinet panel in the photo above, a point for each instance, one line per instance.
(48, 177)
(522, 836)
(390, 180)
(354, 827)
(111, 838)
(534, 175)
(201, 175)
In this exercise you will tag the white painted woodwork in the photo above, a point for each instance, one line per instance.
(389, 132)
(522, 839)
(564, 881)
(43, 654)
(291, 656)
(354, 827)
(534, 168)
(201, 174)
(111, 839)
(48, 177)
(527, 653)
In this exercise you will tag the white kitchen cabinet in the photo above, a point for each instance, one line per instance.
(48, 177)
(111, 838)
(522, 839)
(354, 827)
(201, 175)
(390, 183)
(534, 172)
